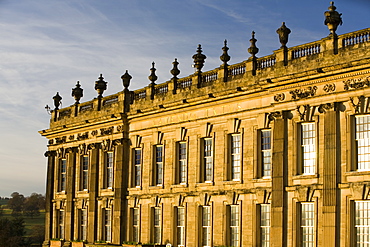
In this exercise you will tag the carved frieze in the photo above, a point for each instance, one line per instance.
(106, 131)
(119, 128)
(61, 140)
(356, 83)
(82, 136)
(330, 87)
(279, 97)
(303, 93)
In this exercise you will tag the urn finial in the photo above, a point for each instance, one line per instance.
(100, 86)
(225, 56)
(253, 50)
(283, 32)
(175, 71)
(126, 78)
(77, 92)
(199, 59)
(332, 19)
(152, 77)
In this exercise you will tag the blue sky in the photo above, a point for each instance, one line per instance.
(48, 45)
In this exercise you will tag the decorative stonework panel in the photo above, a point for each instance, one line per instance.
(303, 93)
(356, 83)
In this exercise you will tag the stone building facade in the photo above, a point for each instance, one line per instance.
(272, 151)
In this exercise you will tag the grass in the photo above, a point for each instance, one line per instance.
(29, 222)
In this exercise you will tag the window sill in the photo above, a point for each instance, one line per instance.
(134, 188)
(182, 185)
(83, 192)
(232, 182)
(304, 179)
(357, 176)
(154, 187)
(204, 184)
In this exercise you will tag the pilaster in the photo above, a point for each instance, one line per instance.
(279, 178)
(331, 174)
(93, 189)
(49, 196)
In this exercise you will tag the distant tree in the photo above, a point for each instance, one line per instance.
(11, 232)
(16, 203)
(33, 204)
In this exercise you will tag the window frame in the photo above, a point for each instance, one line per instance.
(109, 170)
(207, 160)
(264, 153)
(157, 225)
(62, 185)
(61, 224)
(83, 222)
(107, 224)
(234, 226)
(181, 162)
(304, 228)
(206, 227)
(264, 229)
(304, 150)
(158, 166)
(135, 224)
(357, 147)
(84, 183)
(180, 226)
(137, 167)
(234, 174)
(356, 226)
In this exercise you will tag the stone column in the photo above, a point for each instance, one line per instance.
(119, 203)
(279, 179)
(49, 196)
(93, 190)
(70, 192)
(331, 173)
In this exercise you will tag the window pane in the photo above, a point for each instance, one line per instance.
(182, 164)
(235, 157)
(63, 174)
(266, 152)
(234, 225)
(109, 170)
(362, 223)
(135, 224)
(363, 142)
(180, 226)
(208, 159)
(265, 224)
(157, 225)
(137, 167)
(307, 224)
(159, 164)
(206, 226)
(85, 172)
(308, 143)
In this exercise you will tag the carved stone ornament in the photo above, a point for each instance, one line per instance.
(107, 145)
(117, 142)
(119, 128)
(303, 93)
(362, 105)
(307, 113)
(106, 131)
(330, 87)
(71, 137)
(82, 148)
(323, 108)
(92, 146)
(279, 97)
(51, 142)
(356, 83)
(82, 136)
(61, 140)
(94, 132)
